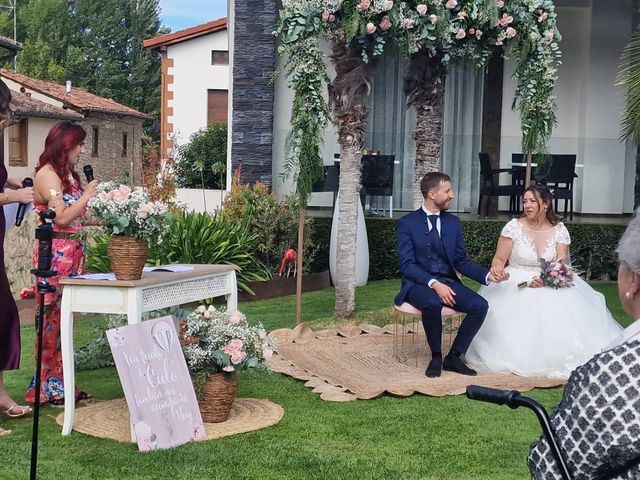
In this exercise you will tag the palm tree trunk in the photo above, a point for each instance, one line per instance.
(428, 137)
(424, 87)
(347, 100)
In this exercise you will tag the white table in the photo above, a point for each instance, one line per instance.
(133, 297)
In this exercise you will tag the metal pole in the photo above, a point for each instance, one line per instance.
(14, 4)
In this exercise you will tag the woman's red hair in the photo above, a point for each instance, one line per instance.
(62, 138)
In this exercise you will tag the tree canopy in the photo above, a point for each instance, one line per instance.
(97, 45)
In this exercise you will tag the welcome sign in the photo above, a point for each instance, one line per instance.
(156, 383)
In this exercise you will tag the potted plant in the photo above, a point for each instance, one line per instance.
(217, 344)
(131, 219)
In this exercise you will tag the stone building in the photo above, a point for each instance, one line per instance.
(114, 131)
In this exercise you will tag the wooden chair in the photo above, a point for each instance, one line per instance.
(410, 321)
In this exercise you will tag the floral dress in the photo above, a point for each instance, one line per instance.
(67, 260)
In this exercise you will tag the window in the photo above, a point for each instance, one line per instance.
(18, 144)
(96, 140)
(124, 144)
(217, 106)
(219, 57)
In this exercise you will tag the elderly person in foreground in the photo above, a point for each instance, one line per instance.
(597, 423)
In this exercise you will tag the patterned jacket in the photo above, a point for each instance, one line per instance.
(597, 423)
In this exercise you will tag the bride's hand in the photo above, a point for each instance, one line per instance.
(536, 283)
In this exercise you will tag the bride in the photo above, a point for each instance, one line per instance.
(538, 331)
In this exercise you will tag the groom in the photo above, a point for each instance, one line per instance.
(431, 250)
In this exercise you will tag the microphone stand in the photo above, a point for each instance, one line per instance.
(44, 235)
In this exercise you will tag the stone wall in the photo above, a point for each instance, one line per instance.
(254, 53)
(110, 164)
(19, 243)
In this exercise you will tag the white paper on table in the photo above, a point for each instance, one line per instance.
(97, 276)
(168, 268)
(10, 211)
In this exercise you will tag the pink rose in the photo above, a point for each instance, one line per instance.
(387, 5)
(548, 36)
(499, 42)
(144, 210)
(325, 15)
(228, 368)
(385, 23)
(104, 196)
(472, 31)
(409, 23)
(332, 18)
(433, 19)
(499, 4)
(543, 17)
(238, 357)
(451, 4)
(235, 318)
(478, 34)
(511, 32)
(421, 9)
(371, 28)
(505, 20)
(462, 15)
(461, 34)
(363, 5)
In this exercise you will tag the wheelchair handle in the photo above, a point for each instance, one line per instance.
(493, 395)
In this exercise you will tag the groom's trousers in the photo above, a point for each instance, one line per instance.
(425, 299)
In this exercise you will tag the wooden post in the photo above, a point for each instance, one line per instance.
(527, 177)
(299, 267)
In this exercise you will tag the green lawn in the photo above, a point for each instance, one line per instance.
(387, 438)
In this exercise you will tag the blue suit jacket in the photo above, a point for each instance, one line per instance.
(416, 252)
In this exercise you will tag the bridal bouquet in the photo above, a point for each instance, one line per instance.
(554, 274)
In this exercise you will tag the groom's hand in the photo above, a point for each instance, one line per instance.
(445, 293)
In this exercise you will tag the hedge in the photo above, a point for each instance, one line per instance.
(592, 248)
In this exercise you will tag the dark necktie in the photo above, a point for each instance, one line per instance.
(433, 233)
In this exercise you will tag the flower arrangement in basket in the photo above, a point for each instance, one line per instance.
(554, 274)
(217, 344)
(132, 219)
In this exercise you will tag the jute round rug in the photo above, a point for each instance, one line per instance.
(110, 419)
(356, 362)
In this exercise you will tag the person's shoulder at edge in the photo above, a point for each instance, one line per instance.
(409, 216)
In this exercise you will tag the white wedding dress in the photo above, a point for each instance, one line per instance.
(539, 332)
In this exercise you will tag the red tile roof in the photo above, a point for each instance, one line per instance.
(25, 106)
(187, 34)
(78, 99)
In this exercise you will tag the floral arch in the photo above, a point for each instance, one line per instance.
(432, 34)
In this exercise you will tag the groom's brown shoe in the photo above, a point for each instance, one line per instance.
(453, 363)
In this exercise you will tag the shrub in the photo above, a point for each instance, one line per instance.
(202, 162)
(592, 246)
(157, 177)
(202, 238)
(274, 222)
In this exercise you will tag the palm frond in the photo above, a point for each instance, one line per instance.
(629, 77)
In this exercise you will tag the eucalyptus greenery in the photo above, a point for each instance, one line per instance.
(451, 29)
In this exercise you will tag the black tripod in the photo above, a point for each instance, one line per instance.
(44, 235)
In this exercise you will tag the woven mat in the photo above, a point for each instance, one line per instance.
(356, 362)
(110, 419)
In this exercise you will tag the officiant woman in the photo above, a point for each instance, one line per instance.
(11, 191)
(57, 187)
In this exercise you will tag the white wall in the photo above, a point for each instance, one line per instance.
(193, 75)
(589, 105)
(198, 200)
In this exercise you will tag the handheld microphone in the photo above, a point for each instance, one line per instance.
(88, 172)
(22, 208)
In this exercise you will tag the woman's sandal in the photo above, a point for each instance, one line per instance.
(80, 396)
(12, 413)
(5, 432)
